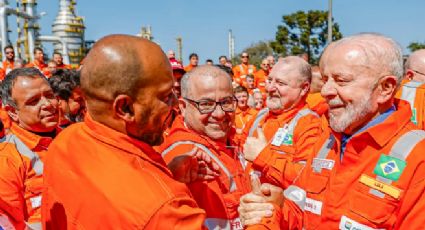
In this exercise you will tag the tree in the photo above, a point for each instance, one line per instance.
(257, 52)
(303, 32)
(416, 46)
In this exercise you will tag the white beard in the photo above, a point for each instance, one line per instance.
(351, 114)
(274, 103)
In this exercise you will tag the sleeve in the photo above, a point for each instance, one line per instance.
(280, 169)
(412, 207)
(11, 182)
(178, 213)
(177, 151)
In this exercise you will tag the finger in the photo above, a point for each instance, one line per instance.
(250, 207)
(265, 189)
(255, 183)
(252, 198)
(252, 221)
(260, 134)
(254, 214)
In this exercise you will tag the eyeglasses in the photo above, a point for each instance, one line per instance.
(245, 56)
(418, 72)
(10, 52)
(208, 106)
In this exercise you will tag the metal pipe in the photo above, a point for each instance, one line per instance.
(3, 29)
(330, 22)
(49, 38)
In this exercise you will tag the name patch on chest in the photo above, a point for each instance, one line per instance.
(323, 163)
(380, 186)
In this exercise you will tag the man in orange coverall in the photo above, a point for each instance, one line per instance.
(103, 173)
(33, 108)
(314, 99)
(208, 110)
(242, 70)
(412, 89)
(368, 170)
(290, 127)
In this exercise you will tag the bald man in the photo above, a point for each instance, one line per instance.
(288, 125)
(208, 111)
(413, 86)
(103, 173)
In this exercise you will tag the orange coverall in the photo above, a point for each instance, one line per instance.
(414, 93)
(260, 78)
(4, 117)
(21, 172)
(303, 128)
(240, 71)
(36, 64)
(97, 177)
(378, 182)
(189, 67)
(220, 197)
(317, 103)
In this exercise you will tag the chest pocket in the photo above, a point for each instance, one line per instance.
(375, 206)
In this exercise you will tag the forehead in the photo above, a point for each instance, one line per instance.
(25, 86)
(284, 72)
(211, 87)
(344, 58)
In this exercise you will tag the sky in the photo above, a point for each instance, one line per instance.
(204, 25)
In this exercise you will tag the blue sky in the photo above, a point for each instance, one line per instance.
(204, 25)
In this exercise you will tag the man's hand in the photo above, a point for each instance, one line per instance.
(254, 145)
(253, 208)
(272, 194)
(193, 166)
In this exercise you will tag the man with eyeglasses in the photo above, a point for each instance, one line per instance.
(287, 125)
(242, 70)
(208, 111)
(413, 86)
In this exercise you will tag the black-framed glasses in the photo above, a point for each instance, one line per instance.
(245, 56)
(208, 106)
(418, 72)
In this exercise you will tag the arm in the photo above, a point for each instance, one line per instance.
(178, 213)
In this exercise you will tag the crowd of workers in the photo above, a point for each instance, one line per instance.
(135, 140)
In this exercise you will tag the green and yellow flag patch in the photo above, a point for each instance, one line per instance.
(389, 167)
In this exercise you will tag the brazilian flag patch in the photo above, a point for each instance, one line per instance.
(389, 167)
(288, 140)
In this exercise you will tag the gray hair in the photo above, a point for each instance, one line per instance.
(303, 68)
(200, 71)
(380, 52)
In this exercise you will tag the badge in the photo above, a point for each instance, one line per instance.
(349, 224)
(313, 206)
(280, 136)
(323, 163)
(389, 167)
(413, 119)
(288, 140)
(380, 186)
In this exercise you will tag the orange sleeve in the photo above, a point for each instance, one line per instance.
(413, 206)
(177, 151)
(178, 213)
(281, 169)
(11, 184)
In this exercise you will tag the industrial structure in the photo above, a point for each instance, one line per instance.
(67, 30)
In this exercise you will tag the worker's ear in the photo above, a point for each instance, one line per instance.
(123, 107)
(409, 75)
(305, 88)
(387, 86)
(12, 112)
(182, 105)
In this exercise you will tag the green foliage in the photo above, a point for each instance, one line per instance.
(416, 46)
(303, 32)
(257, 52)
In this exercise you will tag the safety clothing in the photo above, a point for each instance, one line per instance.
(36, 64)
(189, 67)
(414, 93)
(317, 103)
(21, 172)
(241, 71)
(220, 197)
(290, 137)
(260, 78)
(97, 177)
(377, 182)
